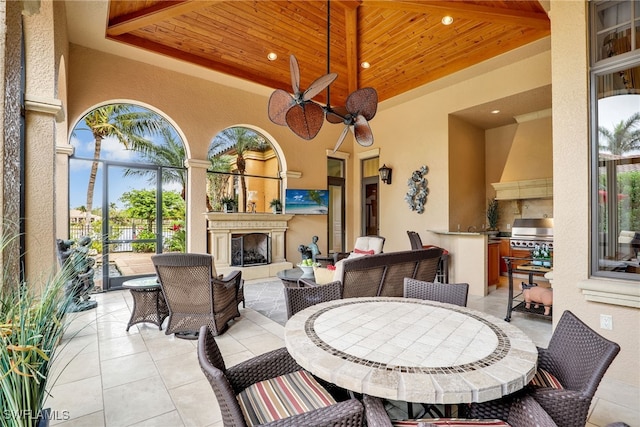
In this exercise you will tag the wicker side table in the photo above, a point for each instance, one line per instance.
(148, 302)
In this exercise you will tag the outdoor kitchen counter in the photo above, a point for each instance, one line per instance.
(468, 257)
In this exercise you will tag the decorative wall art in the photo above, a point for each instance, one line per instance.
(418, 191)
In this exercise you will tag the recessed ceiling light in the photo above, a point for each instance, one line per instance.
(365, 65)
(495, 111)
(447, 20)
(272, 56)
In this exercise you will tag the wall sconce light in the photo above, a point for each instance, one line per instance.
(385, 174)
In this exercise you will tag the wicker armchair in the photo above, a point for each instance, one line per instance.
(452, 293)
(194, 297)
(443, 267)
(310, 294)
(577, 357)
(227, 383)
(522, 411)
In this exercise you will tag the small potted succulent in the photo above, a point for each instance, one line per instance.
(228, 204)
(276, 206)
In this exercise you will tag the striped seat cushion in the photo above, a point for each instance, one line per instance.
(452, 422)
(282, 397)
(543, 378)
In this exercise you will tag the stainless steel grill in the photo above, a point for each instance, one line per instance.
(526, 233)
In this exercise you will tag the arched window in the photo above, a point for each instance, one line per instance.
(126, 189)
(244, 174)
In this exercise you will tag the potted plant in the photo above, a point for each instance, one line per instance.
(276, 206)
(493, 214)
(228, 204)
(32, 323)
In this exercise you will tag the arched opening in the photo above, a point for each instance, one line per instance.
(244, 173)
(127, 189)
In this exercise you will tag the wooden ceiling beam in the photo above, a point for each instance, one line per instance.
(351, 46)
(150, 15)
(468, 11)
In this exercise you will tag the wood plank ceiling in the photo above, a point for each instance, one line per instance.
(404, 41)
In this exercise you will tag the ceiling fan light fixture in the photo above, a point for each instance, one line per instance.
(447, 20)
(272, 56)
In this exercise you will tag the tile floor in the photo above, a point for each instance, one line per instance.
(105, 376)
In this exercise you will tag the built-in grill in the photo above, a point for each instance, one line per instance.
(526, 233)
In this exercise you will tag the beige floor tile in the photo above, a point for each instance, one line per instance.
(169, 346)
(76, 367)
(117, 347)
(78, 398)
(126, 369)
(263, 343)
(136, 401)
(94, 420)
(196, 403)
(605, 412)
(171, 419)
(180, 369)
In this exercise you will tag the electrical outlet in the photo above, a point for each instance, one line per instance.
(606, 322)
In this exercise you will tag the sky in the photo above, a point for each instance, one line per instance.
(111, 149)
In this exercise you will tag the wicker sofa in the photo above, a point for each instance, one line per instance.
(368, 276)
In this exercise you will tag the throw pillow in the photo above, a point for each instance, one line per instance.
(360, 251)
(323, 275)
(452, 422)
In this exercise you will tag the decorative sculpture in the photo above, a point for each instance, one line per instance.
(313, 247)
(81, 282)
(416, 197)
(537, 295)
(305, 251)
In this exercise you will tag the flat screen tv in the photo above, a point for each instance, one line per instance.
(309, 202)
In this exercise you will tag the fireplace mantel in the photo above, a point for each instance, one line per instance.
(221, 226)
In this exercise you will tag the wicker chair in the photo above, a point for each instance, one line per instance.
(443, 267)
(194, 297)
(522, 411)
(227, 383)
(577, 357)
(309, 294)
(452, 293)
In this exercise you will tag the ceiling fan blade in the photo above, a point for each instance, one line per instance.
(341, 139)
(363, 101)
(295, 75)
(337, 115)
(319, 85)
(362, 131)
(305, 120)
(280, 102)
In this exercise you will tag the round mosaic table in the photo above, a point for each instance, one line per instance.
(148, 301)
(411, 350)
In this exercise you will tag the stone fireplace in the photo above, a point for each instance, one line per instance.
(223, 228)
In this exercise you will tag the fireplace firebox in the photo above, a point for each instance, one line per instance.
(250, 249)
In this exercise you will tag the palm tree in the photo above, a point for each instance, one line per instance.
(243, 139)
(624, 137)
(125, 122)
(171, 153)
(218, 181)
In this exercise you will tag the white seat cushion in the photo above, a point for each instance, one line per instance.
(367, 243)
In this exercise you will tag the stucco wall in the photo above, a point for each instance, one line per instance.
(571, 203)
(200, 110)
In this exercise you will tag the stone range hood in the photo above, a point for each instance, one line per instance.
(525, 189)
(528, 167)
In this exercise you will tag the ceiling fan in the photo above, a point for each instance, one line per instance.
(305, 117)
